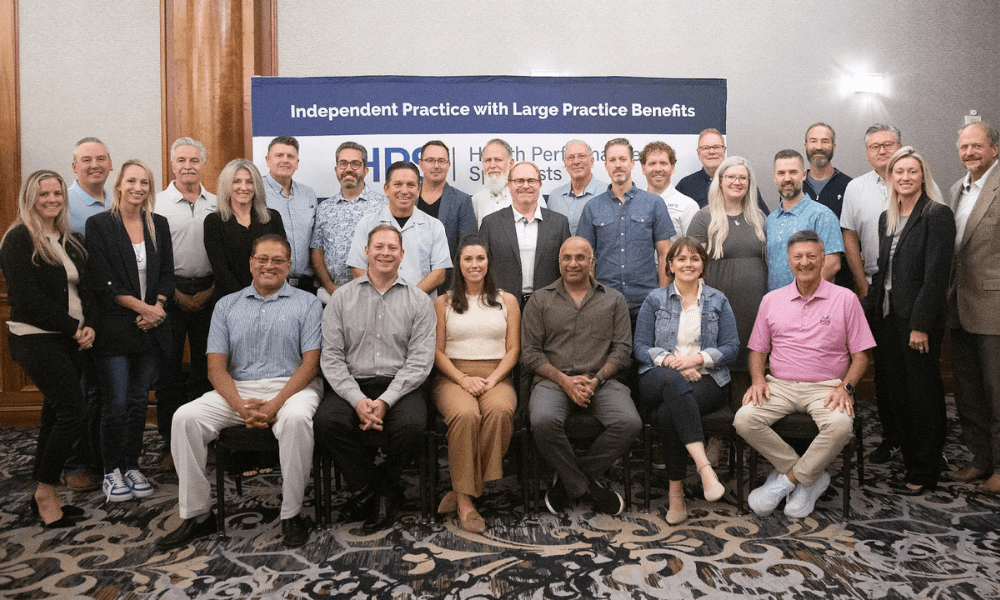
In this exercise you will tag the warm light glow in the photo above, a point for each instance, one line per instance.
(867, 83)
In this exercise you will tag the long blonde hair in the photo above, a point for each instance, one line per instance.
(28, 216)
(147, 204)
(258, 205)
(927, 186)
(718, 226)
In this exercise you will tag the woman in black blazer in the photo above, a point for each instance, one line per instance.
(44, 264)
(906, 303)
(132, 267)
(241, 217)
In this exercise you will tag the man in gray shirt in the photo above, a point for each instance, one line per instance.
(378, 348)
(576, 337)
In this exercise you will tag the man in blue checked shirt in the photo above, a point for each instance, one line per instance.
(263, 361)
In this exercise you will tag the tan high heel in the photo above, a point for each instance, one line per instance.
(714, 490)
(676, 517)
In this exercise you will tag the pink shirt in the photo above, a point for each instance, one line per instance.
(810, 341)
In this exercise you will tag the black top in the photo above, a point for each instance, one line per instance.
(38, 292)
(229, 246)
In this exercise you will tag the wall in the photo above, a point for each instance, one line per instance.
(89, 68)
(785, 60)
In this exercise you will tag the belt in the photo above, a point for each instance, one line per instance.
(194, 283)
(524, 299)
(295, 280)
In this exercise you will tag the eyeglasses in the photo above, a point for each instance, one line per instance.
(523, 182)
(739, 178)
(884, 146)
(277, 261)
(354, 164)
(716, 148)
(435, 161)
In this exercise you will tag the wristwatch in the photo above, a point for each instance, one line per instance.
(850, 388)
(600, 380)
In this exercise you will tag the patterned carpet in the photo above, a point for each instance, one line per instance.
(943, 545)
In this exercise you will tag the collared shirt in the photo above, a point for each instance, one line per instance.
(485, 203)
(811, 340)
(82, 206)
(368, 334)
(265, 337)
(782, 223)
(187, 229)
(527, 242)
(577, 340)
(624, 237)
(425, 244)
(298, 211)
(967, 201)
(682, 210)
(565, 202)
(865, 198)
(336, 220)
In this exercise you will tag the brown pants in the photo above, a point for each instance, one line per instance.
(479, 429)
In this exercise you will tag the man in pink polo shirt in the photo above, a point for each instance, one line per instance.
(817, 336)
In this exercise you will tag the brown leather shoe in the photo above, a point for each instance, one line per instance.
(991, 485)
(969, 473)
(82, 482)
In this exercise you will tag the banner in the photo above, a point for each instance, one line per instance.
(394, 116)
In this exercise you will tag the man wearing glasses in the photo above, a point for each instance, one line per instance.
(711, 153)
(524, 238)
(630, 230)
(337, 217)
(263, 361)
(441, 201)
(570, 199)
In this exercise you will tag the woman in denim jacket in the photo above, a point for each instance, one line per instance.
(684, 337)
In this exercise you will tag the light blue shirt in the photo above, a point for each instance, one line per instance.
(265, 337)
(82, 206)
(781, 224)
(425, 244)
(565, 202)
(336, 219)
(298, 211)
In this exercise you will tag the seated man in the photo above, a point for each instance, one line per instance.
(577, 337)
(378, 348)
(817, 336)
(263, 361)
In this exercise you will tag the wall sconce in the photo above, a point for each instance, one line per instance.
(867, 83)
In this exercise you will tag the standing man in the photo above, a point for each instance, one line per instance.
(974, 304)
(498, 158)
(577, 341)
(337, 218)
(825, 183)
(818, 338)
(524, 238)
(424, 239)
(87, 196)
(797, 211)
(185, 203)
(295, 202)
(570, 199)
(711, 153)
(378, 348)
(630, 230)
(443, 202)
(263, 359)
(658, 160)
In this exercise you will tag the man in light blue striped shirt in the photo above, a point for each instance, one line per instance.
(263, 360)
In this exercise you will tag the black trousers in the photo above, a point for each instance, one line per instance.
(173, 390)
(54, 363)
(911, 383)
(337, 428)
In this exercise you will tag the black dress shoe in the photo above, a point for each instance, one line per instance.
(188, 531)
(361, 506)
(384, 515)
(906, 490)
(295, 531)
(884, 453)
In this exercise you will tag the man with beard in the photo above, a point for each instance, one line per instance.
(824, 182)
(569, 199)
(498, 158)
(337, 218)
(424, 241)
(795, 212)
(658, 160)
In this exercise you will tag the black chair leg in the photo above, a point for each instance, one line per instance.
(221, 460)
(647, 444)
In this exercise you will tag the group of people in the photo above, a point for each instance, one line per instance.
(623, 303)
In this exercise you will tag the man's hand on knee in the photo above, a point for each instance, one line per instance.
(758, 394)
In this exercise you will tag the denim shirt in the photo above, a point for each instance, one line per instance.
(659, 318)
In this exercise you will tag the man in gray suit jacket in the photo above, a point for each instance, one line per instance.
(974, 303)
(524, 238)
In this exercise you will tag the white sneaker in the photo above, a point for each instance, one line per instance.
(115, 488)
(766, 498)
(802, 501)
(138, 484)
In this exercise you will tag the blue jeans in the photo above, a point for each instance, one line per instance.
(125, 382)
